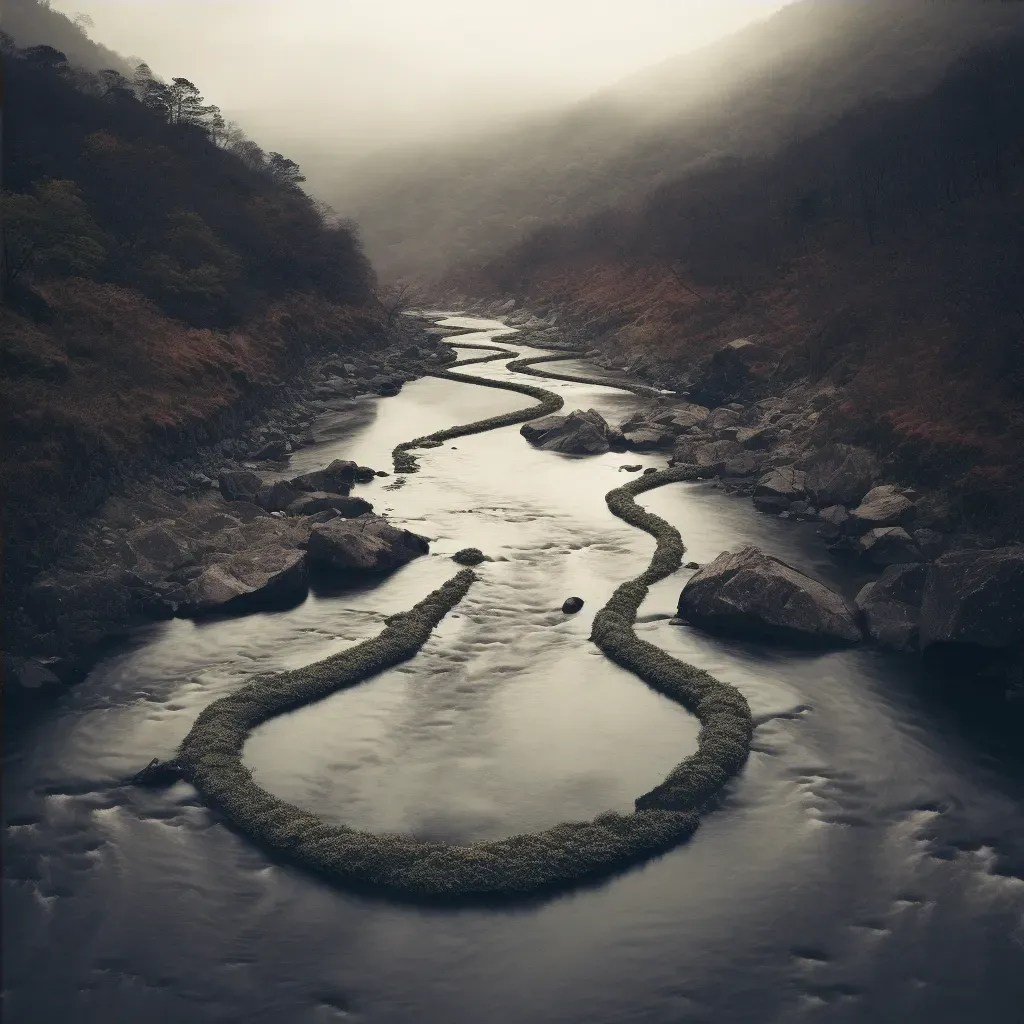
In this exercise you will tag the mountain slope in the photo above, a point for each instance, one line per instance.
(423, 210)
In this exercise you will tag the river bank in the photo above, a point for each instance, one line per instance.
(163, 513)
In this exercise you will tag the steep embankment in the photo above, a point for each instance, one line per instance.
(880, 256)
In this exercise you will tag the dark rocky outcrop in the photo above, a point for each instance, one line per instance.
(778, 488)
(337, 478)
(579, 433)
(882, 506)
(891, 606)
(239, 485)
(750, 593)
(888, 545)
(367, 543)
(242, 580)
(347, 506)
(974, 600)
(840, 474)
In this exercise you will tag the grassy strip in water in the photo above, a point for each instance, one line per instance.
(548, 401)
(726, 723)
(526, 366)
(211, 756)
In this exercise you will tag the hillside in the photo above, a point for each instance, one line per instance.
(778, 79)
(881, 256)
(161, 275)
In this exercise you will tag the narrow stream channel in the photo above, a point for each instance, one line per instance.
(867, 864)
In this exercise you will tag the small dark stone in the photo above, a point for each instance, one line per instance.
(158, 773)
(572, 605)
(631, 469)
(692, 565)
(649, 470)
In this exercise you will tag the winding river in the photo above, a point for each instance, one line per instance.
(866, 865)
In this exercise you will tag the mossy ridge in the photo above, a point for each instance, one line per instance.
(548, 402)
(527, 366)
(726, 722)
(211, 757)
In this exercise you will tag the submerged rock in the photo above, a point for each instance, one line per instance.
(891, 606)
(368, 543)
(751, 593)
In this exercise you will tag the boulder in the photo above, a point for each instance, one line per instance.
(312, 502)
(750, 593)
(744, 464)
(246, 579)
(276, 497)
(337, 478)
(757, 438)
(535, 429)
(579, 433)
(833, 522)
(891, 606)
(245, 511)
(271, 451)
(648, 438)
(367, 543)
(159, 548)
(888, 545)
(778, 488)
(711, 457)
(975, 600)
(682, 418)
(719, 419)
(840, 474)
(572, 605)
(28, 675)
(882, 506)
(239, 485)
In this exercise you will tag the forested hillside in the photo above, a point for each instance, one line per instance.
(158, 269)
(744, 96)
(882, 255)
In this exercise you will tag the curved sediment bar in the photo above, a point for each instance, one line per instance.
(527, 366)
(556, 858)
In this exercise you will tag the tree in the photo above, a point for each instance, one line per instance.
(283, 170)
(151, 92)
(393, 299)
(50, 230)
(47, 57)
(185, 103)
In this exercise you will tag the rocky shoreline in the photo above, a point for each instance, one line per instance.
(205, 534)
(944, 591)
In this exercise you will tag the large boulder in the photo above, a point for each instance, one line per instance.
(368, 543)
(159, 548)
(337, 478)
(536, 429)
(975, 599)
(276, 497)
(840, 474)
(239, 485)
(728, 372)
(750, 593)
(579, 433)
(246, 579)
(648, 437)
(891, 606)
(272, 451)
(681, 418)
(882, 506)
(888, 545)
(345, 505)
(713, 456)
(778, 489)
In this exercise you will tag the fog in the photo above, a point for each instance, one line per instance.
(346, 77)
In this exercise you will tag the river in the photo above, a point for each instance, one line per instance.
(866, 865)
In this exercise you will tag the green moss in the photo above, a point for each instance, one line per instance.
(211, 754)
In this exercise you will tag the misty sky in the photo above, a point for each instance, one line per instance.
(357, 73)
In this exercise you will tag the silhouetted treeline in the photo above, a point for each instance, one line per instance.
(142, 183)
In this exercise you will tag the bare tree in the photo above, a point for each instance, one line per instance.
(393, 300)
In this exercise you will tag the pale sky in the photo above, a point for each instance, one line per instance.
(356, 73)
